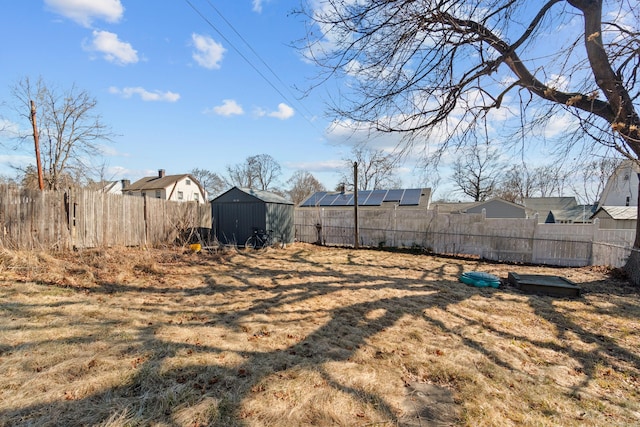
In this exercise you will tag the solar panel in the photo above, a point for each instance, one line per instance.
(328, 199)
(363, 195)
(411, 196)
(393, 196)
(375, 198)
(315, 199)
(345, 199)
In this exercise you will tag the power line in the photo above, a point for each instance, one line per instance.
(246, 59)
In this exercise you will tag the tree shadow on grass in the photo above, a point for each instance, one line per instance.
(158, 391)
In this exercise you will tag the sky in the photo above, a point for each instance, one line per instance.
(188, 84)
(182, 84)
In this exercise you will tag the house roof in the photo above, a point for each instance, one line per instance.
(158, 182)
(546, 204)
(403, 197)
(496, 200)
(578, 213)
(452, 207)
(618, 212)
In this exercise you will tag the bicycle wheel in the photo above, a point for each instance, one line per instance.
(252, 242)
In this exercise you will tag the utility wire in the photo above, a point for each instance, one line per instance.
(257, 55)
(219, 32)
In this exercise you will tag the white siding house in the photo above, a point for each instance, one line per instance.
(622, 186)
(178, 188)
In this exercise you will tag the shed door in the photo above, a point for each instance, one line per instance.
(236, 221)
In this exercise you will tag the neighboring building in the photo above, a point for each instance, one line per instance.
(497, 208)
(579, 214)
(238, 211)
(411, 197)
(617, 217)
(178, 188)
(450, 207)
(114, 187)
(544, 206)
(622, 187)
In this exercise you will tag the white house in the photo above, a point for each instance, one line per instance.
(622, 187)
(178, 188)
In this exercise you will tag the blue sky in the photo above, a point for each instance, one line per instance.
(202, 84)
(179, 92)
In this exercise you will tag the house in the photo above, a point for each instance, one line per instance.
(114, 187)
(238, 211)
(617, 217)
(551, 209)
(622, 186)
(497, 208)
(404, 198)
(179, 188)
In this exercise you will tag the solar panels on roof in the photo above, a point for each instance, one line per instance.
(315, 199)
(405, 197)
(345, 199)
(411, 196)
(393, 196)
(375, 198)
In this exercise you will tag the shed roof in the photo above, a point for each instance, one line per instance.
(618, 212)
(262, 195)
(404, 197)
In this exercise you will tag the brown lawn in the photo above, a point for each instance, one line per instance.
(308, 336)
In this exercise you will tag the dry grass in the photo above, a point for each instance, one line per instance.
(307, 336)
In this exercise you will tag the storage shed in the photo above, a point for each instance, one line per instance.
(238, 211)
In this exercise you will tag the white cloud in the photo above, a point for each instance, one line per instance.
(208, 53)
(228, 108)
(113, 49)
(334, 165)
(284, 112)
(144, 94)
(84, 12)
(257, 5)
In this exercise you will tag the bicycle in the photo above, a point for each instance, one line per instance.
(259, 239)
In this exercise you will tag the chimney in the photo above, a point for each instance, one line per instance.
(125, 183)
(161, 173)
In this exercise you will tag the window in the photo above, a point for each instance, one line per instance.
(180, 195)
(188, 182)
(158, 194)
(195, 197)
(627, 201)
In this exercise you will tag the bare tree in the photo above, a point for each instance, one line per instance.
(433, 68)
(518, 183)
(260, 172)
(550, 180)
(592, 177)
(376, 169)
(212, 182)
(477, 172)
(302, 185)
(70, 130)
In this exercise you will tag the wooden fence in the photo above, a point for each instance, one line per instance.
(512, 240)
(78, 218)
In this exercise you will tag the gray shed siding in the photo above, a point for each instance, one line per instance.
(236, 213)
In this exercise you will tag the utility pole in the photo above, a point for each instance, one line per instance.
(355, 204)
(35, 140)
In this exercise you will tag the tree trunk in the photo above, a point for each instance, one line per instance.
(633, 263)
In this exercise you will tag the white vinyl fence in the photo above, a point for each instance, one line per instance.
(511, 240)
